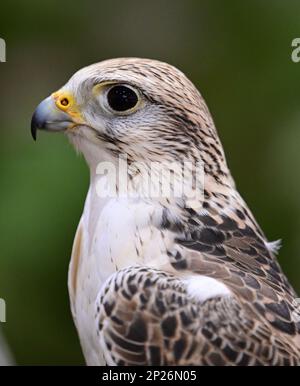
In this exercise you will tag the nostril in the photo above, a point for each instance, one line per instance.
(64, 102)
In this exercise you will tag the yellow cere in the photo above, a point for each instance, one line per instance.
(65, 102)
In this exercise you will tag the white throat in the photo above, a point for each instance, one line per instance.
(121, 231)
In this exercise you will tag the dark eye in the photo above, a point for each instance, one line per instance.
(122, 98)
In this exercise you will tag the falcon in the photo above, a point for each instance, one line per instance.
(165, 280)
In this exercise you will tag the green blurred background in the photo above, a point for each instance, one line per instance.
(238, 53)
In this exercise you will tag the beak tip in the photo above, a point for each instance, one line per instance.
(33, 128)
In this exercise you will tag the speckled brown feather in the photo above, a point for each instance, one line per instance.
(145, 317)
(255, 327)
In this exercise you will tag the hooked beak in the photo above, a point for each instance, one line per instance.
(48, 116)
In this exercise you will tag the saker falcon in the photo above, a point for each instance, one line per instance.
(164, 281)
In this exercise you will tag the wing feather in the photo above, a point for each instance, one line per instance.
(146, 317)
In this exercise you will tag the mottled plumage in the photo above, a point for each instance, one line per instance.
(167, 281)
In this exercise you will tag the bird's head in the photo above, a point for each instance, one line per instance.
(143, 108)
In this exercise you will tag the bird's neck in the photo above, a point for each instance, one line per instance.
(114, 179)
(109, 185)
